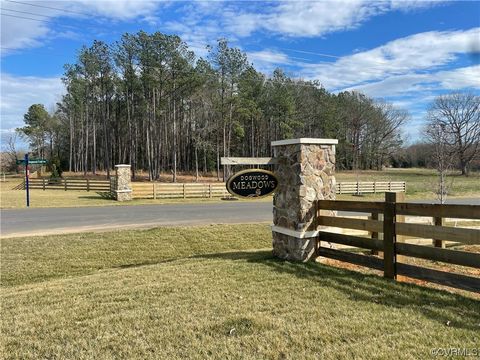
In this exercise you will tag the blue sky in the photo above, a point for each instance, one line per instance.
(406, 52)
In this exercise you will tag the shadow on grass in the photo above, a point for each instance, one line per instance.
(145, 263)
(444, 307)
(100, 195)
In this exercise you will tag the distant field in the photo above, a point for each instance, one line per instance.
(421, 184)
(211, 292)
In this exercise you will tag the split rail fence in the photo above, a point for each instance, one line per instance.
(395, 230)
(178, 190)
(190, 190)
(156, 190)
(66, 184)
(370, 187)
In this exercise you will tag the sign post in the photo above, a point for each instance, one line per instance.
(27, 174)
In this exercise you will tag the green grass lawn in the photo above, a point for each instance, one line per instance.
(211, 292)
(421, 184)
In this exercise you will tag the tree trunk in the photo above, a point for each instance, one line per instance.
(196, 163)
(174, 141)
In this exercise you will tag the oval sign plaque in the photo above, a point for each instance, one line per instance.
(253, 183)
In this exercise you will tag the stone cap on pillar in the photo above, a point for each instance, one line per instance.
(305, 141)
(123, 165)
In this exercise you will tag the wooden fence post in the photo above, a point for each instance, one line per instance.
(43, 184)
(88, 184)
(400, 197)
(210, 190)
(154, 191)
(184, 195)
(374, 234)
(374, 187)
(438, 221)
(65, 181)
(389, 236)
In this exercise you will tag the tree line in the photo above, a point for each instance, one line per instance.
(148, 101)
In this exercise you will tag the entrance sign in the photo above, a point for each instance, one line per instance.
(252, 183)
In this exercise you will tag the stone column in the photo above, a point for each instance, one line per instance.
(123, 183)
(305, 170)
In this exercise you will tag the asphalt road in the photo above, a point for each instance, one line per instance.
(62, 220)
(42, 221)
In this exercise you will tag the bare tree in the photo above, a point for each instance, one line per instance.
(443, 156)
(459, 115)
(13, 154)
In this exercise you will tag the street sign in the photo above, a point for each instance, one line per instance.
(37, 161)
(254, 183)
(32, 162)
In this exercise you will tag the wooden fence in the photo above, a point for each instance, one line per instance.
(393, 245)
(156, 190)
(190, 190)
(66, 184)
(370, 187)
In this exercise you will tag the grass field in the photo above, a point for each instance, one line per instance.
(421, 184)
(211, 292)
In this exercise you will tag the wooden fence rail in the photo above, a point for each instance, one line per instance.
(66, 184)
(394, 230)
(188, 190)
(370, 187)
(156, 190)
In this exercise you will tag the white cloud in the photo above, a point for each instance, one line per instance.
(405, 56)
(269, 56)
(118, 9)
(24, 26)
(314, 18)
(200, 23)
(446, 80)
(18, 93)
(466, 77)
(16, 35)
(409, 5)
(267, 60)
(318, 18)
(414, 92)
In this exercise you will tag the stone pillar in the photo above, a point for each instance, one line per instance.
(305, 170)
(123, 183)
